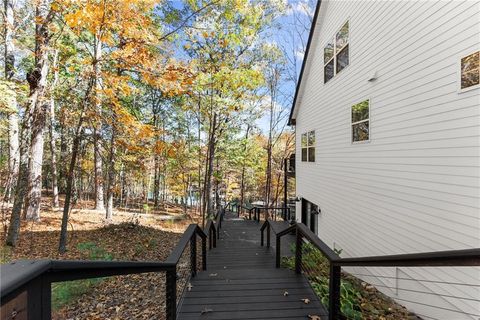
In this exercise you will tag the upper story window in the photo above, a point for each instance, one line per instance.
(335, 54)
(361, 121)
(470, 70)
(308, 146)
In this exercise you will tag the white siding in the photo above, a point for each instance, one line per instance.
(415, 186)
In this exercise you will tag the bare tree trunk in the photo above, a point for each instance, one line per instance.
(62, 245)
(207, 205)
(53, 151)
(14, 153)
(111, 178)
(13, 139)
(242, 181)
(99, 202)
(21, 186)
(38, 104)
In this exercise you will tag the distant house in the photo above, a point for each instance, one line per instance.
(387, 121)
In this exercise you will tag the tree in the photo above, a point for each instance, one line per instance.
(38, 106)
(13, 131)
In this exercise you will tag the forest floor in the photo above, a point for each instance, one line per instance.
(130, 236)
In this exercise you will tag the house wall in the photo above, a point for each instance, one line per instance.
(415, 186)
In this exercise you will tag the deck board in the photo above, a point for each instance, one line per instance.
(241, 281)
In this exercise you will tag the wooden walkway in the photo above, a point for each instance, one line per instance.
(241, 281)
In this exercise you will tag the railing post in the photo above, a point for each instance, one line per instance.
(193, 254)
(250, 214)
(214, 236)
(268, 235)
(39, 298)
(298, 252)
(277, 252)
(334, 292)
(261, 237)
(210, 238)
(171, 293)
(204, 253)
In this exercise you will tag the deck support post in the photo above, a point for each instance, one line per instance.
(334, 292)
(193, 255)
(298, 252)
(171, 293)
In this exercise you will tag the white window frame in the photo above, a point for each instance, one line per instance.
(308, 146)
(459, 74)
(335, 53)
(364, 120)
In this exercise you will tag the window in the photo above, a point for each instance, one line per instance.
(308, 146)
(335, 54)
(360, 121)
(470, 70)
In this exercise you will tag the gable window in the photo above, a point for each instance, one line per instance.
(335, 54)
(470, 70)
(308, 146)
(361, 121)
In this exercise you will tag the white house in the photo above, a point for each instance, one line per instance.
(387, 121)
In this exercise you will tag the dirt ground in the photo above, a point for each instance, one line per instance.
(131, 236)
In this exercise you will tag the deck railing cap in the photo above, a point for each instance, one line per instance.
(17, 273)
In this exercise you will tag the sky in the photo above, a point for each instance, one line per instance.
(291, 34)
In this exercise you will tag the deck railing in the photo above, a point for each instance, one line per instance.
(26, 284)
(273, 213)
(305, 239)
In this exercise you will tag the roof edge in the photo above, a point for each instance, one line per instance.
(292, 121)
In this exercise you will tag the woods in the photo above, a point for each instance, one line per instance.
(131, 105)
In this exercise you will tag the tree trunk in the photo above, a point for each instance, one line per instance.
(13, 139)
(21, 186)
(62, 245)
(99, 202)
(14, 153)
(38, 103)
(242, 179)
(207, 205)
(111, 178)
(53, 150)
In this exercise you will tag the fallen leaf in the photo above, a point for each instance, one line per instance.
(213, 274)
(306, 300)
(189, 286)
(206, 310)
(314, 317)
(285, 293)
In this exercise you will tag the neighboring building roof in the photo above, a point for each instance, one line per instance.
(291, 120)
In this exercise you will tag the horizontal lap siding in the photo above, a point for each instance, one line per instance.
(415, 186)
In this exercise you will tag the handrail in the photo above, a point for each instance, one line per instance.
(218, 221)
(285, 210)
(450, 258)
(36, 276)
(211, 231)
(176, 254)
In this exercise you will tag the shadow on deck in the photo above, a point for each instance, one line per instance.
(242, 282)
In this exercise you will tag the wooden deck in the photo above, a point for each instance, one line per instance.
(241, 281)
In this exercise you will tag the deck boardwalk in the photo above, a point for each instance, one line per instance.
(241, 281)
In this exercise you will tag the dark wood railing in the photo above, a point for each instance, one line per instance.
(455, 258)
(271, 212)
(26, 284)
